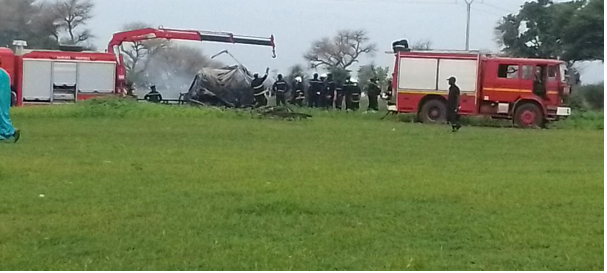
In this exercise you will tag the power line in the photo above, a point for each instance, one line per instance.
(488, 12)
(496, 7)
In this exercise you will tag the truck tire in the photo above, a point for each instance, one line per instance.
(433, 111)
(528, 116)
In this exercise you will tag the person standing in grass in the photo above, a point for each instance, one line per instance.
(280, 88)
(299, 94)
(7, 131)
(373, 90)
(453, 105)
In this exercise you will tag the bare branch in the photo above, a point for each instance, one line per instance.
(342, 50)
(70, 15)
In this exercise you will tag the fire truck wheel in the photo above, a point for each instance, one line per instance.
(528, 115)
(433, 111)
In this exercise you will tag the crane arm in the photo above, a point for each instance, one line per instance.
(188, 35)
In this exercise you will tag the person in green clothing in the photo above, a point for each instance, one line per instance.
(8, 133)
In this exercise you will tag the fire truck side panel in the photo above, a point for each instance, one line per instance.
(423, 77)
(97, 77)
(66, 76)
(418, 74)
(37, 80)
(88, 72)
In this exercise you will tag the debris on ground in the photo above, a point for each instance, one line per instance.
(280, 112)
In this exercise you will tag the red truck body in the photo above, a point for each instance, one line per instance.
(529, 91)
(50, 77)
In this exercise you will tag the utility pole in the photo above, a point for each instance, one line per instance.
(469, 4)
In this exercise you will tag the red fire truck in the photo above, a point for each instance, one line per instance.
(71, 74)
(528, 91)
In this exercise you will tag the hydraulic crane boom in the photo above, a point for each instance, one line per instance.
(189, 35)
(145, 34)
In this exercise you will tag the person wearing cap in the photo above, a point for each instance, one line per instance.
(299, 95)
(453, 105)
(328, 92)
(259, 90)
(373, 91)
(153, 96)
(353, 93)
(280, 88)
(8, 133)
(314, 92)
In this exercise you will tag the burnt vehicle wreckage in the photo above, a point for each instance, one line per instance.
(230, 87)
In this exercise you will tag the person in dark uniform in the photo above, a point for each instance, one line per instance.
(153, 96)
(453, 105)
(280, 88)
(314, 92)
(353, 93)
(340, 94)
(373, 90)
(259, 90)
(328, 92)
(299, 95)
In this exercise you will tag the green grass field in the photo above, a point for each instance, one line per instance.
(142, 187)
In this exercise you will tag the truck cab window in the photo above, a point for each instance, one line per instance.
(507, 71)
(552, 73)
(527, 72)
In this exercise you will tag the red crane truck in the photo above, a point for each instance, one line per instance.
(69, 74)
(527, 91)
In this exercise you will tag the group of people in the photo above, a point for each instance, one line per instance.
(323, 92)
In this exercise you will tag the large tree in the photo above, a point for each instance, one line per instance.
(585, 34)
(572, 31)
(27, 20)
(340, 51)
(71, 18)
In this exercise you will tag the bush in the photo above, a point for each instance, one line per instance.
(587, 120)
(594, 95)
(588, 97)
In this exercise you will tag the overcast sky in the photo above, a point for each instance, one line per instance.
(296, 23)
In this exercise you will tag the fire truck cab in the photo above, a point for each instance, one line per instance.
(528, 91)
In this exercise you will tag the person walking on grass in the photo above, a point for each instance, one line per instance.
(453, 116)
(8, 133)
